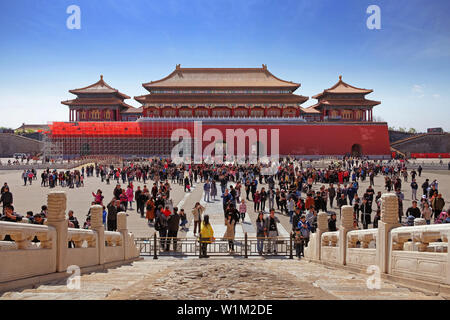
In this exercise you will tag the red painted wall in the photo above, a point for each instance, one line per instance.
(295, 139)
(324, 139)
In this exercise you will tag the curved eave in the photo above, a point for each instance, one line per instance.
(349, 103)
(289, 84)
(204, 87)
(152, 98)
(310, 110)
(102, 83)
(140, 99)
(95, 104)
(340, 82)
(123, 95)
(145, 85)
(116, 92)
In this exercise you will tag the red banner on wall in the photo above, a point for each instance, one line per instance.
(430, 155)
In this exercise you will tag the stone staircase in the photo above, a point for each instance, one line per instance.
(218, 278)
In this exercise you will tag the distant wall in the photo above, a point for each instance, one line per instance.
(12, 143)
(398, 135)
(426, 143)
(34, 135)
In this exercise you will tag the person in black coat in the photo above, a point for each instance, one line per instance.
(74, 220)
(377, 218)
(143, 198)
(366, 212)
(6, 198)
(342, 201)
(4, 188)
(137, 196)
(173, 223)
(161, 225)
(413, 211)
(332, 223)
(296, 219)
(114, 207)
(117, 191)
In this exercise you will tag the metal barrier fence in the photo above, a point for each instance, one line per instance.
(244, 247)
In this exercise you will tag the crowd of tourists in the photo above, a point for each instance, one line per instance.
(297, 190)
(53, 178)
(290, 191)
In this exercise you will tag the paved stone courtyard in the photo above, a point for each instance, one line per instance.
(215, 278)
(79, 199)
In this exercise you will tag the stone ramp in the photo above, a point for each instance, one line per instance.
(249, 225)
(216, 217)
(192, 278)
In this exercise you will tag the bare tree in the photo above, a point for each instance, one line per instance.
(378, 119)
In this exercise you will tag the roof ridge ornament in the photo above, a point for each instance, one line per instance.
(101, 77)
(340, 77)
(178, 66)
(264, 66)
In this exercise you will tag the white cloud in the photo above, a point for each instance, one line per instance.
(418, 90)
(436, 96)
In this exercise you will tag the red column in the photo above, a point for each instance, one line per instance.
(371, 115)
(117, 114)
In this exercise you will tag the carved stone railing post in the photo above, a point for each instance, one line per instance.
(389, 220)
(22, 239)
(123, 229)
(56, 203)
(346, 226)
(322, 226)
(420, 222)
(99, 228)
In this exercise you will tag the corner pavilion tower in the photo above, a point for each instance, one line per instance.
(344, 102)
(221, 92)
(98, 102)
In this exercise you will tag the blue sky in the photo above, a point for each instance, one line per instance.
(406, 63)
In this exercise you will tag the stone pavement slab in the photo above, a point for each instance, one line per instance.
(224, 279)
